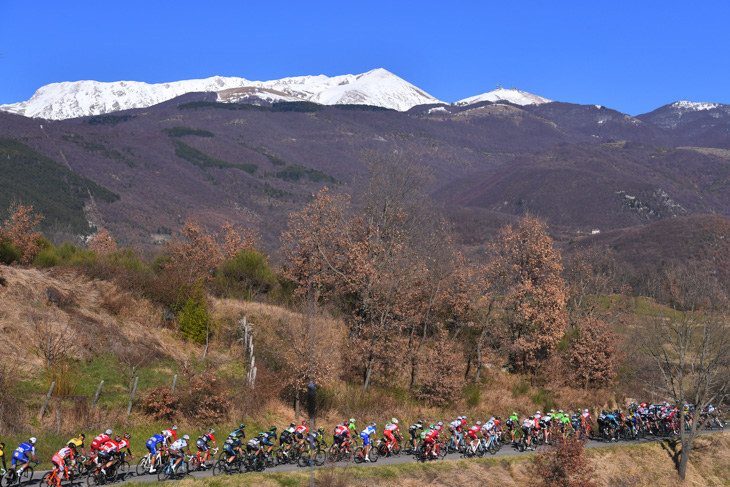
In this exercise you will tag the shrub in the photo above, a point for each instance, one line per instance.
(9, 253)
(160, 404)
(204, 398)
(67, 255)
(565, 465)
(194, 319)
(245, 276)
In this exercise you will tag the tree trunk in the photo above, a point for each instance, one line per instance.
(369, 373)
(296, 406)
(479, 362)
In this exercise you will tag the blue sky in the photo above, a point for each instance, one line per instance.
(633, 56)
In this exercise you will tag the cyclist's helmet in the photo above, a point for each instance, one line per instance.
(127, 436)
(186, 437)
(321, 429)
(211, 431)
(538, 412)
(395, 421)
(304, 421)
(2, 445)
(560, 411)
(440, 423)
(352, 420)
(479, 423)
(459, 418)
(273, 428)
(430, 426)
(498, 418)
(174, 427)
(33, 440)
(373, 424)
(585, 410)
(108, 432)
(241, 426)
(117, 438)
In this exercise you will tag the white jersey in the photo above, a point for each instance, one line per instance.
(454, 424)
(528, 423)
(179, 444)
(489, 425)
(391, 427)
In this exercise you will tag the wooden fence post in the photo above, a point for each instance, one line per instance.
(174, 381)
(131, 397)
(45, 403)
(96, 397)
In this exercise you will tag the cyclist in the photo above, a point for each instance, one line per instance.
(365, 435)
(268, 438)
(107, 453)
(202, 444)
(20, 455)
(170, 434)
(352, 428)
(313, 439)
(77, 443)
(390, 431)
(414, 431)
(512, 423)
(341, 433)
(2, 455)
(176, 450)
(287, 435)
(240, 433)
(232, 446)
(155, 442)
(429, 440)
(58, 462)
(472, 433)
(300, 432)
(455, 429)
(527, 426)
(254, 445)
(97, 442)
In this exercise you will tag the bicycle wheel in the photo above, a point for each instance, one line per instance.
(26, 477)
(359, 455)
(95, 477)
(219, 467)
(374, 455)
(123, 470)
(163, 473)
(143, 466)
(49, 479)
(319, 457)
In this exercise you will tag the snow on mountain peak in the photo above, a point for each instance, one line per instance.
(694, 106)
(378, 87)
(502, 94)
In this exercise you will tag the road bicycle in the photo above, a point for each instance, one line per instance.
(196, 462)
(144, 463)
(172, 472)
(11, 477)
(56, 476)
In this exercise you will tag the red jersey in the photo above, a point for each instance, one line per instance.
(110, 447)
(473, 431)
(431, 435)
(342, 430)
(301, 429)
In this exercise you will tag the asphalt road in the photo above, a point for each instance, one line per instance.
(505, 451)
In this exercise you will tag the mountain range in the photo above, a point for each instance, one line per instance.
(140, 159)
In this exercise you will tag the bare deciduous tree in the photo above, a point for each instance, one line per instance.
(690, 348)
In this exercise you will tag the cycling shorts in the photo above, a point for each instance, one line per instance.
(202, 446)
(19, 457)
(228, 448)
(57, 461)
(339, 439)
(152, 446)
(472, 435)
(365, 438)
(285, 439)
(252, 447)
(105, 456)
(388, 434)
(175, 453)
(266, 441)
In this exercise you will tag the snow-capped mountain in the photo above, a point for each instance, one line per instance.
(686, 112)
(502, 94)
(82, 98)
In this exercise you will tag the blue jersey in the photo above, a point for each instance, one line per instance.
(370, 430)
(24, 449)
(239, 433)
(156, 439)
